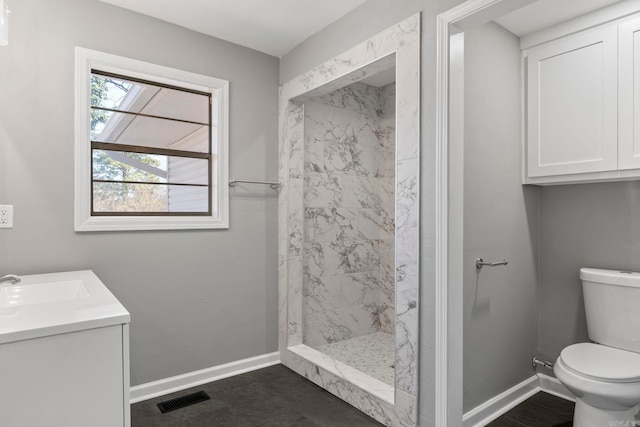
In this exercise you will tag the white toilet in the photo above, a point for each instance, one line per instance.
(605, 376)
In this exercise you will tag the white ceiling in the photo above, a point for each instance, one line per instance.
(545, 13)
(273, 27)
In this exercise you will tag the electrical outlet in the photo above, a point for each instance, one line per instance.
(6, 216)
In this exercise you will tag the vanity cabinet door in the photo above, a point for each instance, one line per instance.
(71, 379)
(629, 95)
(572, 104)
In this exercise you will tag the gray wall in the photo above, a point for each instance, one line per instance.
(197, 298)
(585, 225)
(547, 233)
(500, 221)
(365, 21)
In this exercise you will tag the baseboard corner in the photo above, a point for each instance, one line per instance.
(553, 386)
(498, 405)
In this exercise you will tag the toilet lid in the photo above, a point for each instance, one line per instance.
(603, 363)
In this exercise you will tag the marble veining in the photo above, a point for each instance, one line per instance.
(295, 145)
(349, 225)
(344, 216)
(407, 218)
(294, 302)
(406, 334)
(295, 217)
(368, 394)
(372, 354)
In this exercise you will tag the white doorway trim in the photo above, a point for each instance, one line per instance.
(449, 200)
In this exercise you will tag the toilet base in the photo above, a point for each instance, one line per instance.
(586, 415)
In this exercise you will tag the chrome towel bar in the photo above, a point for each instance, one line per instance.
(480, 263)
(274, 185)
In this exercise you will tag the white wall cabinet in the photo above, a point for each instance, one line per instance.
(582, 106)
(629, 95)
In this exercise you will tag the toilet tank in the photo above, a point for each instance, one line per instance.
(612, 306)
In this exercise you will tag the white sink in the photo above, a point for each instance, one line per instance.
(56, 303)
(41, 293)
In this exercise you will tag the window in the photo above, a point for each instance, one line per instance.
(151, 146)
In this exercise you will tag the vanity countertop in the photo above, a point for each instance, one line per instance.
(56, 303)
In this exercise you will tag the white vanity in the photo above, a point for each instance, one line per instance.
(64, 353)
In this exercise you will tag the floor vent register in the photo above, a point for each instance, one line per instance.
(182, 401)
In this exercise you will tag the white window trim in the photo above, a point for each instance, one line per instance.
(86, 60)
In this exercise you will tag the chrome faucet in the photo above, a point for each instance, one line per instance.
(11, 278)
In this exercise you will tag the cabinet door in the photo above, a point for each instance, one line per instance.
(67, 380)
(629, 95)
(572, 104)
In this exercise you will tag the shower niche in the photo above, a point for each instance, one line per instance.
(348, 224)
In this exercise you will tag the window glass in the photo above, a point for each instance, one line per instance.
(114, 92)
(129, 129)
(151, 147)
(124, 166)
(147, 199)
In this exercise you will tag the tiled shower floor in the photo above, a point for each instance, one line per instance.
(372, 354)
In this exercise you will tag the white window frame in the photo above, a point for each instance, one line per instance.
(86, 60)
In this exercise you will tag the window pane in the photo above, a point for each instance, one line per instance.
(151, 132)
(121, 166)
(147, 98)
(183, 198)
(143, 198)
(138, 167)
(120, 197)
(185, 170)
(109, 93)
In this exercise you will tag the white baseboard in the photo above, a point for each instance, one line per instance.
(192, 379)
(493, 408)
(553, 386)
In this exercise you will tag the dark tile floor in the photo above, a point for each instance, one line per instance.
(273, 396)
(278, 397)
(540, 410)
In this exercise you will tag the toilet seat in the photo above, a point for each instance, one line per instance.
(602, 363)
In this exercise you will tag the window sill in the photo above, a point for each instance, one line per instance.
(142, 223)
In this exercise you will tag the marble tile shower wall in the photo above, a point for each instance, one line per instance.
(348, 257)
(392, 406)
